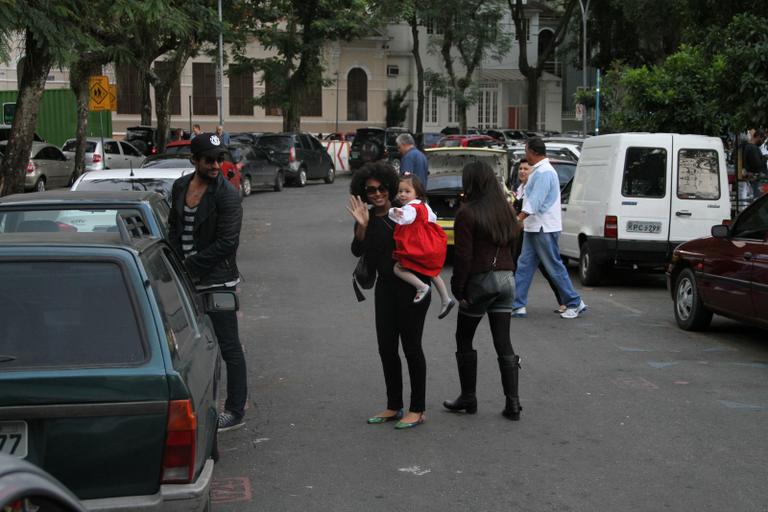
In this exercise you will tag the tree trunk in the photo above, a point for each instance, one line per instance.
(461, 112)
(146, 99)
(164, 84)
(78, 80)
(35, 67)
(532, 79)
(419, 75)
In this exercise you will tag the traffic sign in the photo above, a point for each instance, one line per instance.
(113, 97)
(98, 98)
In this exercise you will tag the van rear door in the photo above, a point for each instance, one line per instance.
(699, 187)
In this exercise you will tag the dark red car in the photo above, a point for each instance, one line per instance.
(726, 273)
(467, 141)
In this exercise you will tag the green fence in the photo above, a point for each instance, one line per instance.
(57, 118)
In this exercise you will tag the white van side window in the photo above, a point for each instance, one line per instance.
(698, 174)
(645, 173)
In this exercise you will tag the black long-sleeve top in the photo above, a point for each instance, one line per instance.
(474, 252)
(377, 245)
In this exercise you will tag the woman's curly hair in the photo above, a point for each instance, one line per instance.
(380, 171)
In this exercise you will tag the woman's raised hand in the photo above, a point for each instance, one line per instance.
(359, 210)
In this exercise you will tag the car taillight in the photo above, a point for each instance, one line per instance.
(30, 167)
(726, 222)
(96, 158)
(292, 155)
(611, 229)
(179, 456)
(153, 151)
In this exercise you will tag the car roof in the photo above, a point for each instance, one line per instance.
(67, 197)
(138, 173)
(69, 239)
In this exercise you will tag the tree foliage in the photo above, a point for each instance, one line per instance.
(718, 84)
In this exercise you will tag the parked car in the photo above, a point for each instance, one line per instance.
(372, 144)
(300, 156)
(261, 169)
(5, 134)
(245, 137)
(467, 141)
(144, 138)
(427, 140)
(153, 180)
(85, 211)
(565, 170)
(110, 367)
(444, 187)
(25, 487)
(48, 167)
(230, 167)
(725, 273)
(637, 196)
(115, 154)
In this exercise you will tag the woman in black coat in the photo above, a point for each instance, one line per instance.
(398, 319)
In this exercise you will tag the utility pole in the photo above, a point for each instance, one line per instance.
(584, 14)
(220, 89)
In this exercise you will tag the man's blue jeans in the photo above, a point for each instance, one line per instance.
(543, 247)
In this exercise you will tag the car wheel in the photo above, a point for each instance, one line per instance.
(40, 185)
(245, 184)
(330, 176)
(301, 179)
(590, 272)
(690, 312)
(279, 181)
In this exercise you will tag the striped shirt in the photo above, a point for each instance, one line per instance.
(187, 234)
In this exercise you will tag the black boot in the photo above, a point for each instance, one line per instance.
(467, 362)
(509, 366)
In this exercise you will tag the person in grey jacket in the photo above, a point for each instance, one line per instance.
(204, 228)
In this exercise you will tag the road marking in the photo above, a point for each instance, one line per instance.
(623, 306)
(260, 440)
(229, 490)
(739, 405)
(634, 383)
(661, 364)
(416, 470)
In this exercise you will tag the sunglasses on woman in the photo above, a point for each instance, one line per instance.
(372, 190)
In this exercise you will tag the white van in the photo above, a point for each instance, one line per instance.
(636, 196)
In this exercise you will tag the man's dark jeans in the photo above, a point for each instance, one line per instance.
(225, 326)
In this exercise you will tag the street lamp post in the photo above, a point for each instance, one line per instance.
(584, 13)
(220, 91)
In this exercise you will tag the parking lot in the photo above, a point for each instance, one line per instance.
(622, 410)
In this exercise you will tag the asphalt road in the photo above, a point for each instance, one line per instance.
(621, 409)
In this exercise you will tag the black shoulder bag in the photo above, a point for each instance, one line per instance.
(364, 277)
(483, 287)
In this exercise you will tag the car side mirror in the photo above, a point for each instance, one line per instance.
(219, 301)
(720, 231)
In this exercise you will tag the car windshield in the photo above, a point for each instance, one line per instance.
(166, 163)
(133, 134)
(74, 220)
(67, 314)
(71, 146)
(364, 134)
(160, 185)
(277, 143)
(181, 149)
(565, 172)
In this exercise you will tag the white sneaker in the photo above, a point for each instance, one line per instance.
(570, 313)
(519, 313)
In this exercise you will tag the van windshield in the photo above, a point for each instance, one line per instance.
(645, 173)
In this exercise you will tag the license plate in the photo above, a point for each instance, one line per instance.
(635, 226)
(354, 154)
(13, 438)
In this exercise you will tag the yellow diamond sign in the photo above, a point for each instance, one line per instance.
(99, 97)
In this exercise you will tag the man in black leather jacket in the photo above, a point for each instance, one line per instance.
(204, 228)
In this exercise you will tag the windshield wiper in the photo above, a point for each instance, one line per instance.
(7, 359)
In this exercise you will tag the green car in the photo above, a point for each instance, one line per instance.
(109, 367)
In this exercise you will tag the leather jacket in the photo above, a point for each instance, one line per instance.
(216, 233)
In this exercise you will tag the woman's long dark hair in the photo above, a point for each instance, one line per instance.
(491, 210)
(380, 171)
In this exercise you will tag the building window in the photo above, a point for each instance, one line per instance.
(204, 89)
(128, 93)
(241, 94)
(433, 26)
(357, 95)
(312, 105)
(163, 68)
(271, 108)
(430, 107)
(487, 107)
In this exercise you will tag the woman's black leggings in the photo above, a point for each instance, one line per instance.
(467, 325)
(398, 319)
